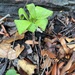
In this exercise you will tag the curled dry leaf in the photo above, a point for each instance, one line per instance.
(30, 42)
(27, 67)
(7, 52)
(63, 43)
(48, 53)
(69, 39)
(16, 36)
(54, 69)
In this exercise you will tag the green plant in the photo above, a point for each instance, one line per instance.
(37, 18)
(11, 72)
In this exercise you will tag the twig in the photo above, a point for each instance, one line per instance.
(8, 15)
(69, 31)
(61, 22)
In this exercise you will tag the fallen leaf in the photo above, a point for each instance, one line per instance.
(71, 46)
(4, 48)
(46, 63)
(71, 69)
(50, 40)
(7, 52)
(48, 53)
(73, 73)
(14, 53)
(54, 69)
(64, 45)
(30, 42)
(16, 36)
(69, 39)
(68, 65)
(27, 67)
(59, 67)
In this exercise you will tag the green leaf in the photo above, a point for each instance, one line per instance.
(11, 72)
(22, 14)
(22, 25)
(31, 9)
(32, 28)
(42, 23)
(42, 13)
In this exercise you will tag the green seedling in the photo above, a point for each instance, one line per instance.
(11, 72)
(37, 18)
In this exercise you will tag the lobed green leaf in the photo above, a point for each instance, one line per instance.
(22, 25)
(22, 14)
(31, 9)
(32, 27)
(42, 13)
(42, 23)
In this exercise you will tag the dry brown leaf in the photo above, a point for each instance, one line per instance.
(54, 69)
(27, 67)
(47, 63)
(61, 50)
(48, 53)
(63, 43)
(72, 68)
(14, 53)
(11, 39)
(7, 52)
(69, 39)
(73, 73)
(59, 67)
(68, 65)
(4, 48)
(30, 42)
(71, 46)
(47, 40)
(50, 40)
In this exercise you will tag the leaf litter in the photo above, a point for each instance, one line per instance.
(54, 54)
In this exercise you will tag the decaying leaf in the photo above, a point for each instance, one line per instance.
(47, 63)
(30, 42)
(27, 67)
(7, 52)
(63, 43)
(54, 69)
(16, 36)
(48, 53)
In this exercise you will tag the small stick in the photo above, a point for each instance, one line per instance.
(70, 31)
(8, 15)
(61, 22)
